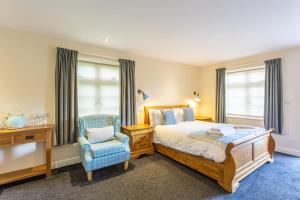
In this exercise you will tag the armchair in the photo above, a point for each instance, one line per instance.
(98, 155)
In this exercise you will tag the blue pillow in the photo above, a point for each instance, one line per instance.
(188, 114)
(169, 117)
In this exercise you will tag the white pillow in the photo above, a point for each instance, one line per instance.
(95, 135)
(178, 112)
(155, 117)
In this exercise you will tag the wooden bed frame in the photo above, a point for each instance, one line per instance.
(242, 157)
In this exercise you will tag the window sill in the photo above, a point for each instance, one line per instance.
(245, 117)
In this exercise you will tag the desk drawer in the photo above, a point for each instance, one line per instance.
(30, 137)
(6, 140)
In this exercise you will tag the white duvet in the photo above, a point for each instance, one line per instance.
(176, 137)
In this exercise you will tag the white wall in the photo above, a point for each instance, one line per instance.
(27, 67)
(289, 141)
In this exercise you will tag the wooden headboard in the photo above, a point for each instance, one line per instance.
(146, 110)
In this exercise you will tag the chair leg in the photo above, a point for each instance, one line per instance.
(89, 175)
(126, 164)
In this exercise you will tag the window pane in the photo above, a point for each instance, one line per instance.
(245, 93)
(86, 90)
(109, 73)
(98, 89)
(86, 71)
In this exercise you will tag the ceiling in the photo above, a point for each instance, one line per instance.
(195, 32)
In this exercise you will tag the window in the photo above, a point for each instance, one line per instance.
(98, 88)
(245, 92)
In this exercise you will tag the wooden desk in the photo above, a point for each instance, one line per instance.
(9, 137)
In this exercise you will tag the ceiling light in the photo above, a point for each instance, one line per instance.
(106, 40)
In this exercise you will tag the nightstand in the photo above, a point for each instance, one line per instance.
(207, 119)
(140, 139)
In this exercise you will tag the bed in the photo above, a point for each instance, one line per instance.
(241, 156)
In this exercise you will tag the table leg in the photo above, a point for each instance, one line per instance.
(48, 153)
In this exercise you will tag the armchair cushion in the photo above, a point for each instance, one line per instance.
(107, 148)
(97, 121)
(95, 135)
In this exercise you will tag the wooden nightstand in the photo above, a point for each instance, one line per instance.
(140, 139)
(207, 119)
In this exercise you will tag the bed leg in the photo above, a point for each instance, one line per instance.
(271, 146)
(229, 187)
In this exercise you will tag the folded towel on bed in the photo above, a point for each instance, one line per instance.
(214, 132)
(225, 134)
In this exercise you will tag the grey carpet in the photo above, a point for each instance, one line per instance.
(157, 177)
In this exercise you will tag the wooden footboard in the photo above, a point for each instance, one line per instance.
(243, 157)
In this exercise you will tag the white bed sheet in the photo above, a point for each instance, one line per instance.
(176, 136)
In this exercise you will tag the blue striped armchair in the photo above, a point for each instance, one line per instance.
(99, 155)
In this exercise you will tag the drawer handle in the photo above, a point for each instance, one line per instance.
(29, 137)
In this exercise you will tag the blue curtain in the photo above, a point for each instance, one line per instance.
(127, 96)
(66, 111)
(220, 96)
(273, 112)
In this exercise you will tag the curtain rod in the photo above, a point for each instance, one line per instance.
(94, 55)
(98, 59)
(247, 64)
(231, 71)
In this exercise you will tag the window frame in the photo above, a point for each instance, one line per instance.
(97, 60)
(257, 66)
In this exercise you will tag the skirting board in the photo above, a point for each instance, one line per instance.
(75, 160)
(288, 151)
(65, 162)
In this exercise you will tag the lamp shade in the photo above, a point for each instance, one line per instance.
(146, 97)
